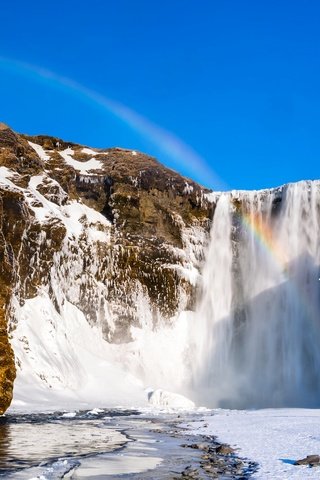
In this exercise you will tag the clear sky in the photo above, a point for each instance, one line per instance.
(237, 81)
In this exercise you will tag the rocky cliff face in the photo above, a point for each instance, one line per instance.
(99, 229)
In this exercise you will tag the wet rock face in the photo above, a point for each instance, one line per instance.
(12, 228)
(98, 228)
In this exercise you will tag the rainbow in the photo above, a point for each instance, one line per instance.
(265, 236)
(166, 142)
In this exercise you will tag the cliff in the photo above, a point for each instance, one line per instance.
(99, 229)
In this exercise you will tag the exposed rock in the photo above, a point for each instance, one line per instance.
(311, 460)
(12, 228)
(224, 449)
(218, 461)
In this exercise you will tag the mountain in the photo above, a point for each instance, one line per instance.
(107, 240)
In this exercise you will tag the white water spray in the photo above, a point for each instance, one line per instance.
(257, 334)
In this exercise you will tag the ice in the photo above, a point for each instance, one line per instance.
(189, 273)
(59, 469)
(164, 399)
(95, 411)
(117, 465)
(69, 415)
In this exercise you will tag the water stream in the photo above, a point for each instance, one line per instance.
(96, 444)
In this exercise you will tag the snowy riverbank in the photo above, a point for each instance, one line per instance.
(274, 438)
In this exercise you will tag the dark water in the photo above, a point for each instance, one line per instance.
(93, 445)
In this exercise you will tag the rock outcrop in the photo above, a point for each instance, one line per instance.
(99, 228)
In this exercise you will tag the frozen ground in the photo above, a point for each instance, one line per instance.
(272, 437)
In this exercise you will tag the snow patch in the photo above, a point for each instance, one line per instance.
(188, 188)
(75, 216)
(82, 167)
(89, 151)
(5, 174)
(40, 151)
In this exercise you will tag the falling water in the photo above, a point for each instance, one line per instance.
(257, 334)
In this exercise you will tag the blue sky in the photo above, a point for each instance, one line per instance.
(237, 81)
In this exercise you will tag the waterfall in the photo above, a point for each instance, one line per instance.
(256, 337)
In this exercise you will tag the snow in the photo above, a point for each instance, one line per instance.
(211, 196)
(5, 173)
(134, 181)
(73, 215)
(47, 208)
(162, 398)
(40, 151)
(154, 351)
(83, 167)
(91, 152)
(274, 438)
(188, 188)
(65, 362)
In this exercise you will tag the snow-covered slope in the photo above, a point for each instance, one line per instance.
(65, 362)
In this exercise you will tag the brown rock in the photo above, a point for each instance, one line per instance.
(224, 449)
(312, 460)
